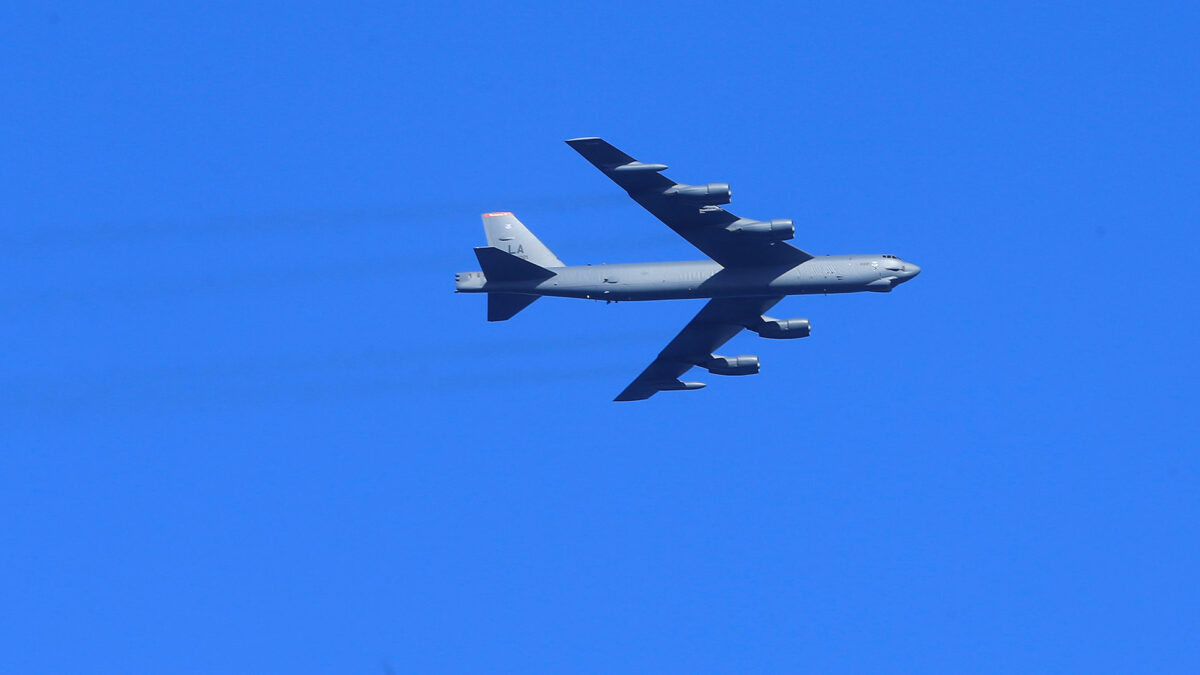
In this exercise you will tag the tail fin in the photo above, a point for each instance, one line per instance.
(507, 233)
(503, 306)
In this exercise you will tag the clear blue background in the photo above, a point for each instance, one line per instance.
(247, 427)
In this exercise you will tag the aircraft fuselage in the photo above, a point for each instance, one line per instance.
(705, 279)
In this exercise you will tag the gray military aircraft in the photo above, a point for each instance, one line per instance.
(751, 270)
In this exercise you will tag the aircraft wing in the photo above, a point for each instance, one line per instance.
(713, 326)
(691, 210)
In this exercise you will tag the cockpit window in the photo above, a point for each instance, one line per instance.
(890, 256)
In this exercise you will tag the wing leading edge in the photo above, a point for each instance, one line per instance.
(713, 326)
(691, 210)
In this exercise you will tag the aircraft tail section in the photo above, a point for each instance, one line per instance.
(513, 255)
(507, 233)
(504, 306)
(500, 267)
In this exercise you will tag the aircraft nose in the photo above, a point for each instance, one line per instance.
(911, 269)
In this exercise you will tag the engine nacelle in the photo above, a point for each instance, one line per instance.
(732, 365)
(771, 230)
(786, 329)
(705, 195)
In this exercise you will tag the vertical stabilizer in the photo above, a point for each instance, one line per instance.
(507, 233)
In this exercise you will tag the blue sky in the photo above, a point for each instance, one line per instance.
(248, 427)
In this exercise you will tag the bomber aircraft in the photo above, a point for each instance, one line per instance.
(751, 269)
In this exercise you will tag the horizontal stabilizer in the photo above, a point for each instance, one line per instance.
(503, 306)
(500, 266)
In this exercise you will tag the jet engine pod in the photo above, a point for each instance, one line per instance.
(705, 195)
(732, 365)
(783, 330)
(771, 230)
